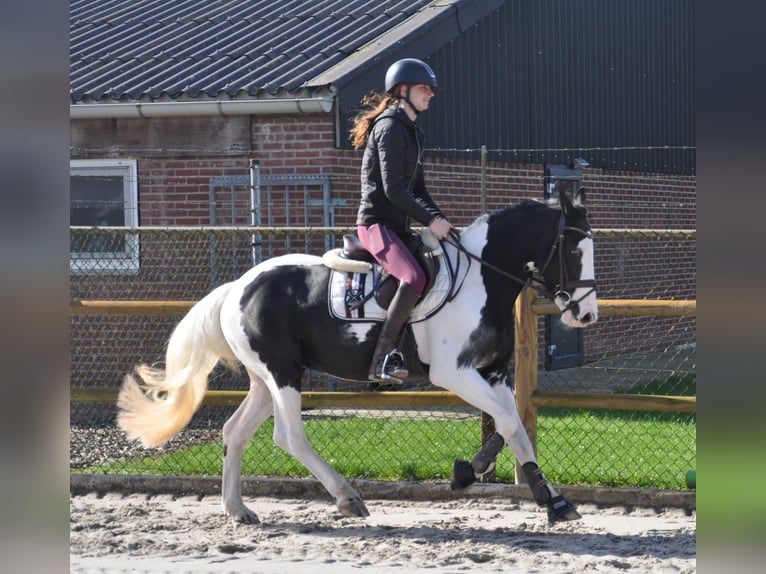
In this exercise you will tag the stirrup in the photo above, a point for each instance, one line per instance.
(390, 369)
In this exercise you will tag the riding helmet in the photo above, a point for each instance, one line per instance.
(409, 71)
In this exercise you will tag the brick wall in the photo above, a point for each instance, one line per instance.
(174, 190)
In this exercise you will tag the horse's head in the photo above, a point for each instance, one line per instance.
(568, 270)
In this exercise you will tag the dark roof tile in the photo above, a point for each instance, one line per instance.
(147, 49)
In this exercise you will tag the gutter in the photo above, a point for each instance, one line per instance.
(274, 106)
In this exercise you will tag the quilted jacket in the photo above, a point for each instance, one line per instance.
(393, 184)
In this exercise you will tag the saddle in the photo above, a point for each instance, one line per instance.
(354, 258)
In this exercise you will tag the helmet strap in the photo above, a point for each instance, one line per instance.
(406, 98)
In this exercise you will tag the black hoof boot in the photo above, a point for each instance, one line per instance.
(463, 475)
(561, 510)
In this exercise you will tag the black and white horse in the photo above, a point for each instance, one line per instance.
(275, 321)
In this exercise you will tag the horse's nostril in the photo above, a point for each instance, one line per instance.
(587, 318)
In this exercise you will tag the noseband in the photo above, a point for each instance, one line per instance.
(552, 293)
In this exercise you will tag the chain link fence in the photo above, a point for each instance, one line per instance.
(635, 355)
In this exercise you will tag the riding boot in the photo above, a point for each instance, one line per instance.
(387, 361)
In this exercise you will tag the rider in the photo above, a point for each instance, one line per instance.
(394, 193)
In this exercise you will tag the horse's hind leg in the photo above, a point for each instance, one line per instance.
(237, 432)
(290, 435)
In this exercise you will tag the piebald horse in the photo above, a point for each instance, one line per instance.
(275, 320)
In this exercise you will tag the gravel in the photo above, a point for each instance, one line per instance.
(89, 445)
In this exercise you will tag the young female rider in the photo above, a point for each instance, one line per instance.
(393, 194)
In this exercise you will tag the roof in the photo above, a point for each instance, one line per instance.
(155, 50)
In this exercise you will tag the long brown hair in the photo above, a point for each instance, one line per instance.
(372, 106)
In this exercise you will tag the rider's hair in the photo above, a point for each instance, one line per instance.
(372, 106)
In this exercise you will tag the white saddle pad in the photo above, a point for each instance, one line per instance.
(346, 288)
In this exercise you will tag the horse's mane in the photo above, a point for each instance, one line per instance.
(526, 205)
(523, 206)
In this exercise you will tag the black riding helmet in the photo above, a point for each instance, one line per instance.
(409, 71)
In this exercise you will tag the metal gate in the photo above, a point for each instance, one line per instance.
(288, 200)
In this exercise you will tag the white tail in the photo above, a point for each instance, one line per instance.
(157, 410)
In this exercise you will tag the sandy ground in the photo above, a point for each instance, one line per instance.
(165, 533)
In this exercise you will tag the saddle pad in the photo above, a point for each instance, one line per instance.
(345, 288)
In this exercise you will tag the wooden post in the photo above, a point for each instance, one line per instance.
(525, 380)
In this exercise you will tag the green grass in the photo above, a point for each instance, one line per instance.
(383, 449)
(617, 448)
(614, 448)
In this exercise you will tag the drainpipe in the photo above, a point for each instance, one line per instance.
(273, 106)
(255, 209)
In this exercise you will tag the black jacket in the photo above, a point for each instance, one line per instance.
(393, 184)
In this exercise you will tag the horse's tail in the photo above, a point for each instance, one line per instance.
(155, 410)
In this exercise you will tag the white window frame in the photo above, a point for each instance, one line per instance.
(122, 262)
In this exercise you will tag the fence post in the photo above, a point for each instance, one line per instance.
(525, 364)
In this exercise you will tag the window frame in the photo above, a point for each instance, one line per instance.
(118, 262)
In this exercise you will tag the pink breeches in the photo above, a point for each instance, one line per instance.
(391, 252)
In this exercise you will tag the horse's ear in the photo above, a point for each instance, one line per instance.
(570, 196)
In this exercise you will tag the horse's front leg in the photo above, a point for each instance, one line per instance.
(559, 508)
(237, 432)
(498, 401)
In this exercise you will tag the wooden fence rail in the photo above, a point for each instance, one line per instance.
(606, 307)
(528, 398)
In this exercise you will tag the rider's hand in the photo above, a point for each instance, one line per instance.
(440, 227)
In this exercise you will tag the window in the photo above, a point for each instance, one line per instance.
(103, 193)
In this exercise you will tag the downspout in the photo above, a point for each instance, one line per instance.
(255, 210)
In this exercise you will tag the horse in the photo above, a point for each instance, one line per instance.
(274, 321)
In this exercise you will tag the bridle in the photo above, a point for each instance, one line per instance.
(565, 284)
(558, 291)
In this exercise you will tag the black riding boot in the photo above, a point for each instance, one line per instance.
(387, 361)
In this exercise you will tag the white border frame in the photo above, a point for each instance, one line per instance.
(117, 262)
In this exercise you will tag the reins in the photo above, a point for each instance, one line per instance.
(558, 290)
(454, 240)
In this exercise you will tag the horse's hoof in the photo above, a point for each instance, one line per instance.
(251, 518)
(353, 507)
(561, 510)
(463, 475)
(244, 516)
